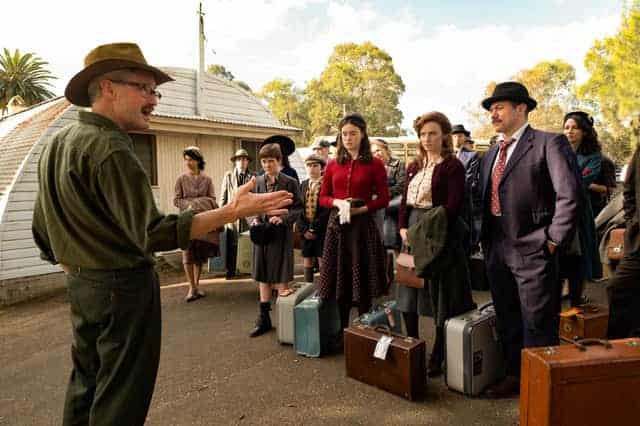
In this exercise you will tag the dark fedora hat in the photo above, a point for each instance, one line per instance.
(287, 145)
(459, 128)
(510, 91)
(104, 59)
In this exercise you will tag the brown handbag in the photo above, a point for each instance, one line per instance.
(406, 271)
(615, 247)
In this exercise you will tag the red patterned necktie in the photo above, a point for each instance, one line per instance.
(496, 176)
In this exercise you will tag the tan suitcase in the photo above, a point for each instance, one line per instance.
(590, 382)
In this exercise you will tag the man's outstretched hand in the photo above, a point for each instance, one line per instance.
(246, 203)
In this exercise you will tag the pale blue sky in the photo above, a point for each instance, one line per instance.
(445, 51)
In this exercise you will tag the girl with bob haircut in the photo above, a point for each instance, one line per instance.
(353, 259)
(273, 250)
(435, 180)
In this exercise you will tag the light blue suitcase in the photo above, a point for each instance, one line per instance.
(316, 324)
(385, 314)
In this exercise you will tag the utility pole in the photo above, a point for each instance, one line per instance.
(200, 71)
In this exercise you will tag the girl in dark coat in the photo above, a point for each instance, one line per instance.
(273, 256)
(582, 260)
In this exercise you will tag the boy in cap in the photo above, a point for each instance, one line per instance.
(312, 223)
(95, 215)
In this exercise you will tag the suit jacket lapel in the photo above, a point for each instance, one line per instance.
(524, 145)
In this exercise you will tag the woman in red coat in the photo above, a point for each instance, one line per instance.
(353, 267)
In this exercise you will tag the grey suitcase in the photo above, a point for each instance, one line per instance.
(473, 354)
(284, 311)
(385, 314)
(316, 323)
(244, 260)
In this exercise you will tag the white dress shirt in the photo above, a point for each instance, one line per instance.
(517, 136)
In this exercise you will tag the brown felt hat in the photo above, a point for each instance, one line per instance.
(104, 59)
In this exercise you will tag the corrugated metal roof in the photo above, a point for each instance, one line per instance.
(234, 122)
(222, 101)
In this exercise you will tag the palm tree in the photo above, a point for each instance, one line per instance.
(24, 76)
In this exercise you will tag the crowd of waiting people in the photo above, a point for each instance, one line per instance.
(527, 204)
(354, 212)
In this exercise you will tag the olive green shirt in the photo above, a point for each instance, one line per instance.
(95, 208)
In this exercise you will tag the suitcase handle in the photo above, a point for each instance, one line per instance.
(485, 306)
(583, 343)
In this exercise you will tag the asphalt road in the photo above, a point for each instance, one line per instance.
(212, 373)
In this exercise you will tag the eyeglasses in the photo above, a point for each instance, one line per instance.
(148, 90)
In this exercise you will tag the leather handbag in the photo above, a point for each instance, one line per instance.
(406, 271)
(615, 247)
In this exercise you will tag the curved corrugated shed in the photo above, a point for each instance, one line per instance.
(20, 149)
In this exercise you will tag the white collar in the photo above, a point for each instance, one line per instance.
(517, 134)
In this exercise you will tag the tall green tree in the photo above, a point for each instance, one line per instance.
(358, 78)
(25, 75)
(613, 88)
(287, 103)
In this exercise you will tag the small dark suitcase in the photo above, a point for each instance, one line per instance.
(587, 321)
(478, 272)
(589, 382)
(403, 372)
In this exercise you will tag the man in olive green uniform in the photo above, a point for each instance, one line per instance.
(95, 216)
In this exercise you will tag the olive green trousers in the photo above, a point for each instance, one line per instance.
(116, 321)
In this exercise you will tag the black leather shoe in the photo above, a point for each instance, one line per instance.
(505, 388)
(263, 325)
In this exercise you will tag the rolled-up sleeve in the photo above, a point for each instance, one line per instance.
(129, 200)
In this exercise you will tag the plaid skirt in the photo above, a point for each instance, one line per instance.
(353, 260)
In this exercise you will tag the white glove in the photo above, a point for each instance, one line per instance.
(344, 210)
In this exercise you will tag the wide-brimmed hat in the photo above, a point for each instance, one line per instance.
(287, 145)
(104, 59)
(459, 128)
(510, 91)
(240, 153)
(315, 158)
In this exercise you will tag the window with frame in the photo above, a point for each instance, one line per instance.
(144, 146)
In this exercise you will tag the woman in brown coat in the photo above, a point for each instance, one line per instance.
(194, 190)
(435, 178)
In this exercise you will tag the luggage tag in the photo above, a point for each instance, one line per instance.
(382, 347)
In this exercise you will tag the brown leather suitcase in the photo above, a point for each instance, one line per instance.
(615, 247)
(403, 372)
(587, 321)
(590, 382)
